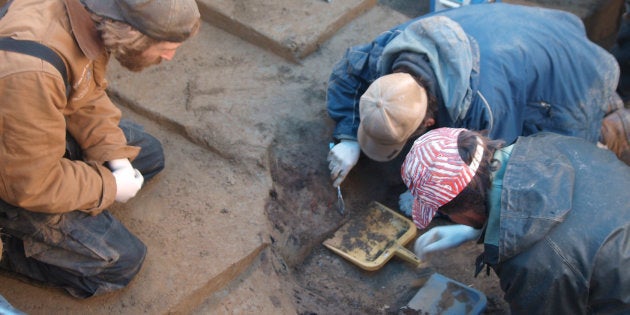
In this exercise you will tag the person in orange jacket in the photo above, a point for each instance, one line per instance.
(65, 154)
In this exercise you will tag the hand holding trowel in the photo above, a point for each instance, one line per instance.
(341, 158)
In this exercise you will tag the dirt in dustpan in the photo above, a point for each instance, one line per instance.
(369, 241)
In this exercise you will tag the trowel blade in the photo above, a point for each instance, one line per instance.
(341, 207)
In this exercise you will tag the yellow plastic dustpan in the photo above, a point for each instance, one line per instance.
(373, 239)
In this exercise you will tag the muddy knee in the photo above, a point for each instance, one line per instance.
(116, 275)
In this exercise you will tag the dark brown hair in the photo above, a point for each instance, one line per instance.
(120, 38)
(474, 196)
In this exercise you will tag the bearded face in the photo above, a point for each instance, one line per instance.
(133, 50)
(137, 61)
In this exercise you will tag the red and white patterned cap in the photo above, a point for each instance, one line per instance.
(435, 173)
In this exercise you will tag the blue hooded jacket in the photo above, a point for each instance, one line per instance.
(512, 70)
(559, 235)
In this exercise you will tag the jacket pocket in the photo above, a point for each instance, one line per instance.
(562, 119)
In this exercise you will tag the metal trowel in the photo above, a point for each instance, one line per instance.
(341, 207)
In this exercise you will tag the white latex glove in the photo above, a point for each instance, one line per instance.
(128, 180)
(444, 237)
(342, 158)
(405, 203)
(118, 164)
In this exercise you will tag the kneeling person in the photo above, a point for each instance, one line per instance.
(554, 231)
(65, 153)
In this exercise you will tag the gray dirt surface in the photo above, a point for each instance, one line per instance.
(295, 273)
(325, 283)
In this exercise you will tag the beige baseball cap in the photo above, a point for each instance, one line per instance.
(166, 20)
(391, 110)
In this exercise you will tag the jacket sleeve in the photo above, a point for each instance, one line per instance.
(539, 282)
(610, 291)
(350, 77)
(33, 172)
(94, 122)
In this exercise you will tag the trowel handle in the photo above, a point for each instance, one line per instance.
(408, 256)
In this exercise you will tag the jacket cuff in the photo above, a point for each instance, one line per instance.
(108, 193)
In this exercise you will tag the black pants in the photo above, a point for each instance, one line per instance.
(84, 254)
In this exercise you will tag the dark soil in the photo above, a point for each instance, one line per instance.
(303, 212)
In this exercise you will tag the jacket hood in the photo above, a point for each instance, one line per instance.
(452, 54)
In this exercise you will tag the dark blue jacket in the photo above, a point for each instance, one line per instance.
(510, 69)
(560, 241)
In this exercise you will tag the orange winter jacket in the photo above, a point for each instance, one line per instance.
(35, 113)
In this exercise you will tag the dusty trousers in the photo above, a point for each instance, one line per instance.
(84, 254)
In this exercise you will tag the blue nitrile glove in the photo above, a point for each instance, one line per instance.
(342, 158)
(5, 307)
(405, 203)
(444, 237)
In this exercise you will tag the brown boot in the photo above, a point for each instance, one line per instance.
(616, 133)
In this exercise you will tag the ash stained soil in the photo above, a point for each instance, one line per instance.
(302, 211)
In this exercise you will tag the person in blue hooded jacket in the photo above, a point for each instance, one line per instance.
(555, 235)
(512, 70)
